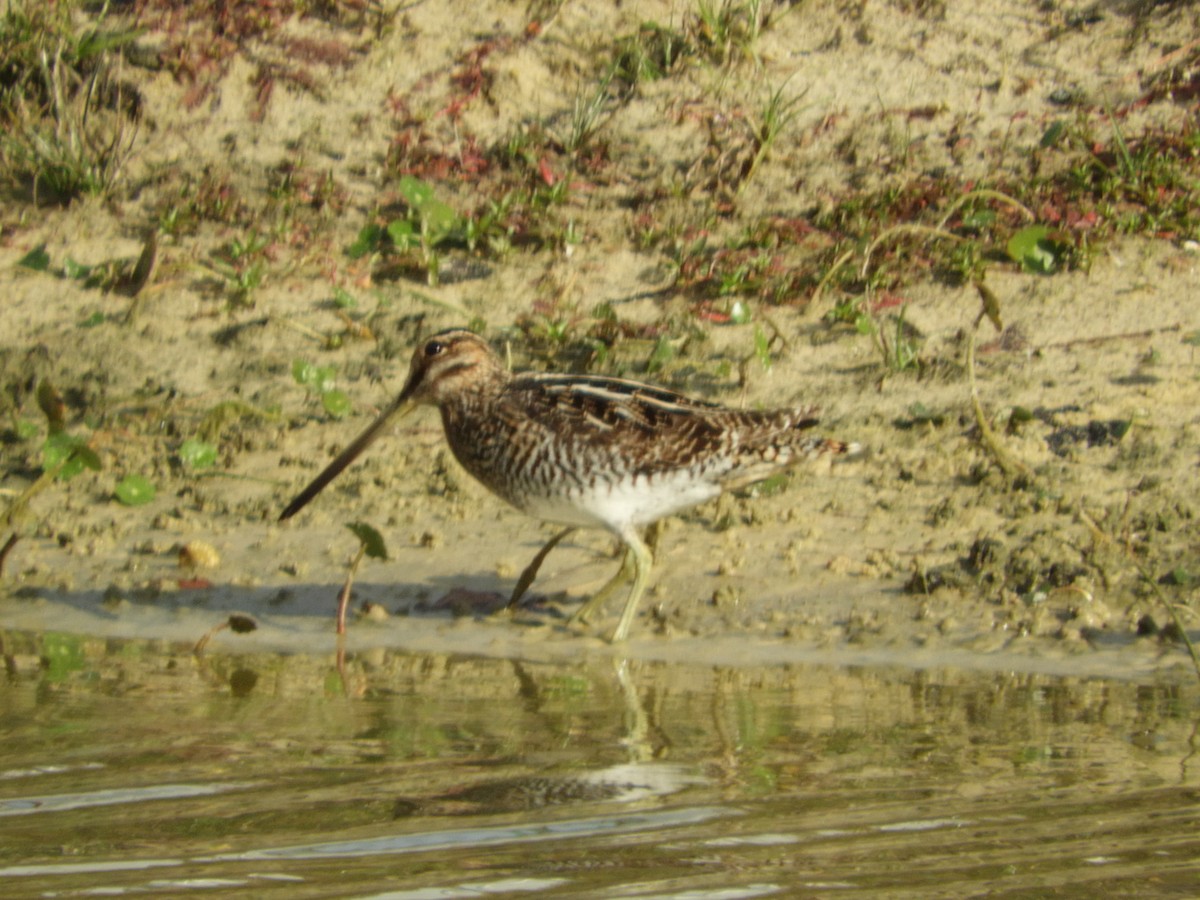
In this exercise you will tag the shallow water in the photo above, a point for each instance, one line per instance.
(132, 767)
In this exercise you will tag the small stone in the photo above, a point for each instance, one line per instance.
(730, 566)
(22, 663)
(198, 555)
(374, 612)
(842, 565)
(726, 597)
(1093, 615)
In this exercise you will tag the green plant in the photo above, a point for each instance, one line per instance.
(70, 122)
(64, 456)
(1136, 183)
(663, 352)
(197, 454)
(252, 246)
(126, 275)
(429, 223)
(900, 349)
(777, 113)
(63, 654)
(586, 114)
(135, 490)
(321, 381)
(245, 280)
(1013, 468)
(648, 55)
(490, 228)
(370, 543)
(720, 26)
(435, 221)
(761, 350)
(966, 263)
(242, 265)
(1035, 250)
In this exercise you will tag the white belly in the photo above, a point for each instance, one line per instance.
(636, 501)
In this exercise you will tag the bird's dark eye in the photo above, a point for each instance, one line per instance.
(433, 348)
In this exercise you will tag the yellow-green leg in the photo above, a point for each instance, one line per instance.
(642, 561)
(629, 569)
(531, 570)
(598, 599)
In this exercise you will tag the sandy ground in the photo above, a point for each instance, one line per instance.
(921, 552)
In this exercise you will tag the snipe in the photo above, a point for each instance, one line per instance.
(585, 450)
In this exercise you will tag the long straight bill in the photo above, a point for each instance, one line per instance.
(399, 409)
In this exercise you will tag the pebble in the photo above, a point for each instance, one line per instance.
(198, 555)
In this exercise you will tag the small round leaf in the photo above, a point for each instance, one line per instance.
(370, 538)
(135, 490)
(336, 403)
(303, 372)
(197, 454)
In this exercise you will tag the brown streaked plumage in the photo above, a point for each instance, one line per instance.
(586, 450)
